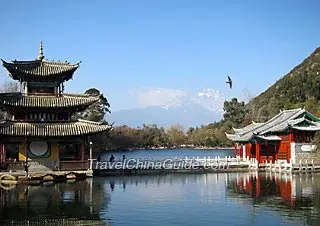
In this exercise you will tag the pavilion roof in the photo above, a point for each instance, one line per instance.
(269, 138)
(51, 129)
(294, 118)
(247, 128)
(40, 69)
(19, 100)
(307, 128)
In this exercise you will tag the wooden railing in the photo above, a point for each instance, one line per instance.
(74, 165)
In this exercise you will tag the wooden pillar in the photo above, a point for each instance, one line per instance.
(249, 150)
(26, 151)
(258, 151)
(82, 151)
(275, 153)
(59, 155)
(4, 153)
(289, 153)
(235, 150)
(289, 149)
(291, 135)
(90, 155)
(1, 153)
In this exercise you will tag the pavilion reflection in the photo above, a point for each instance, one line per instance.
(295, 195)
(80, 202)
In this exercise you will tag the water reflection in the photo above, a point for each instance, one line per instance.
(73, 203)
(294, 196)
(177, 199)
(215, 199)
(159, 180)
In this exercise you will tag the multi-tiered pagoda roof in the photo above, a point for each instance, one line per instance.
(65, 100)
(41, 108)
(48, 70)
(51, 129)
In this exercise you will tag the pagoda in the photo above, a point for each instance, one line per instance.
(39, 127)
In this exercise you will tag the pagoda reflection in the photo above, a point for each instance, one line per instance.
(295, 194)
(77, 203)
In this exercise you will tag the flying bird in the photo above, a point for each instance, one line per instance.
(229, 82)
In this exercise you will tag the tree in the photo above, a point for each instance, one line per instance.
(97, 111)
(176, 135)
(248, 95)
(234, 111)
(8, 87)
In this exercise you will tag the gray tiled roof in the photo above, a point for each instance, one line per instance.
(280, 122)
(40, 68)
(54, 129)
(54, 101)
(247, 128)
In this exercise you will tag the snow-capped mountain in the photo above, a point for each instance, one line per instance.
(187, 110)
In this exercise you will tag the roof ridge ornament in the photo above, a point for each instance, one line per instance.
(41, 56)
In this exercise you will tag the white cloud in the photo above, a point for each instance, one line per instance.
(161, 97)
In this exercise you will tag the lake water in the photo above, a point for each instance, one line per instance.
(168, 153)
(184, 199)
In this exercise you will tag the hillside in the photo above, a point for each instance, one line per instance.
(299, 88)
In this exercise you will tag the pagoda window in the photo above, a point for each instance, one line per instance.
(41, 90)
(63, 116)
(20, 115)
(308, 138)
(42, 117)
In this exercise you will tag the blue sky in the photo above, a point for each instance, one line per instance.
(129, 48)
